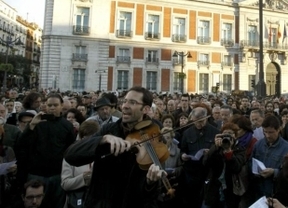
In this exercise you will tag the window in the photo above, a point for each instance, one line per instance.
(152, 57)
(203, 59)
(226, 34)
(122, 80)
(151, 81)
(227, 82)
(176, 82)
(152, 26)
(203, 32)
(252, 35)
(179, 30)
(123, 55)
(124, 27)
(82, 20)
(227, 60)
(80, 53)
(273, 38)
(204, 82)
(78, 79)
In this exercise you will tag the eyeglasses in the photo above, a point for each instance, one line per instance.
(37, 197)
(132, 102)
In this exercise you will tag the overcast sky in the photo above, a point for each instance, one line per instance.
(34, 8)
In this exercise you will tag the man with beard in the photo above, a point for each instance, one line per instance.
(103, 109)
(117, 180)
(199, 136)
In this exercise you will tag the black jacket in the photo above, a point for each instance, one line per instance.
(40, 151)
(117, 182)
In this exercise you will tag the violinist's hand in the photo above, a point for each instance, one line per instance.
(154, 174)
(267, 172)
(185, 157)
(117, 144)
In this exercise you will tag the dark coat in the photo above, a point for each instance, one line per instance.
(216, 161)
(192, 141)
(117, 182)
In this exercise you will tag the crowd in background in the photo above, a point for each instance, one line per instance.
(229, 130)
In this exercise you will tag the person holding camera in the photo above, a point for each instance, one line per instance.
(40, 149)
(225, 158)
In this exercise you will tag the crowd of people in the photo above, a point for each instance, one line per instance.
(142, 149)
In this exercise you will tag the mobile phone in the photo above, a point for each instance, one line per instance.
(48, 117)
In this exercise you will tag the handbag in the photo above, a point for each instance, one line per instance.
(76, 198)
(240, 181)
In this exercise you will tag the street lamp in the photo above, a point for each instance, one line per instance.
(9, 43)
(261, 86)
(182, 75)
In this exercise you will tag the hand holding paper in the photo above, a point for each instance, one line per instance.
(257, 166)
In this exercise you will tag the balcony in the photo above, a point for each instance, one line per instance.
(152, 36)
(226, 63)
(123, 33)
(176, 62)
(227, 42)
(81, 30)
(203, 40)
(179, 38)
(79, 57)
(152, 60)
(1, 26)
(266, 45)
(203, 63)
(123, 59)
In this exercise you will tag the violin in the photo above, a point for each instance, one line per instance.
(153, 150)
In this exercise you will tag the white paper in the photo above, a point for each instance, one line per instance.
(5, 166)
(257, 166)
(198, 155)
(260, 203)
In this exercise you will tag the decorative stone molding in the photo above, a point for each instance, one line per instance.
(273, 22)
(273, 56)
(252, 19)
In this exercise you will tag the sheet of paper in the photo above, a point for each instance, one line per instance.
(198, 155)
(5, 166)
(257, 166)
(260, 203)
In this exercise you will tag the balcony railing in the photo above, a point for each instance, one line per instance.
(266, 45)
(227, 42)
(123, 59)
(152, 60)
(81, 30)
(79, 57)
(203, 40)
(226, 63)
(152, 36)
(123, 33)
(179, 38)
(203, 63)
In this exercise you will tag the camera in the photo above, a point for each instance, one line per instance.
(226, 139)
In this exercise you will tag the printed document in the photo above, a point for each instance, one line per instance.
(5, 166)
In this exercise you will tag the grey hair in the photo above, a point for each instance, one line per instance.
(259, 111)
(216, 108)
(198, 112)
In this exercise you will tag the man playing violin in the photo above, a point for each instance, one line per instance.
(117, 181)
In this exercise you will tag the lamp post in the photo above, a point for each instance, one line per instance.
(261, 86)
(100, 78)
(182, 55)
(9, 43)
